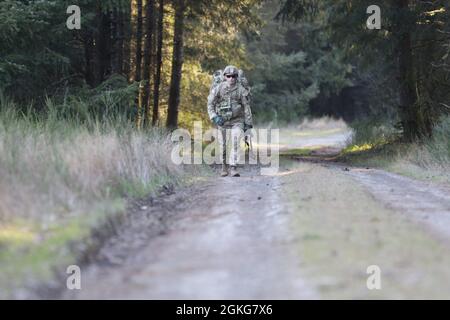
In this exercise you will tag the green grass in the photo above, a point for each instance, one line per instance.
(39, 259)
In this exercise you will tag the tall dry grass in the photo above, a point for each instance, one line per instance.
(51, 167)
(62, 176)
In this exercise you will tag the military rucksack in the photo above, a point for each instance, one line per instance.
(217, 79)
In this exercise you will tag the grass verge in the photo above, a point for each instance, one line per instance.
(427, 160)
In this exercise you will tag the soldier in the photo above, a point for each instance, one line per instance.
(229, 108)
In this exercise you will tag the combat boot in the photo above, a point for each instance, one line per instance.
(224, 172)
(234, 172)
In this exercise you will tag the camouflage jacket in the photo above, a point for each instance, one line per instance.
(232, 103)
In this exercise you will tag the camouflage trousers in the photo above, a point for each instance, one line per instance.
(230, 143)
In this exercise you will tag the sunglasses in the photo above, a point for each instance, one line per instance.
(231, 76)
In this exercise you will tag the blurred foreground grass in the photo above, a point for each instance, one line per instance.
(61, 177)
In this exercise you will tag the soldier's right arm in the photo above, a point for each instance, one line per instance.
(212, 100)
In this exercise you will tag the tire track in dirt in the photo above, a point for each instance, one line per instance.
(426, 203)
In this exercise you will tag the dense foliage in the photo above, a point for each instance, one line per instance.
(403, 67)
(153, 59)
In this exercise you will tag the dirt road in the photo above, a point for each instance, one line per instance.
(309, 231)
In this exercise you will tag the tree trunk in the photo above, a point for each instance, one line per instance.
(126, 47)
(117, 38)
(158, 64)
(177, 65)
(138, 59)
(102, 53)
(133, 41)
(89, 58)
(407, 95)
(147, 61)
(136, 54)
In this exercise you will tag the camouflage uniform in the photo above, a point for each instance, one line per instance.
(231, 102)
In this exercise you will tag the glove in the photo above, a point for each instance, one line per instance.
(218, 120)
(247, 127)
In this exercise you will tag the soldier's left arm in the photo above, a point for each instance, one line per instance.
(245, 98)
